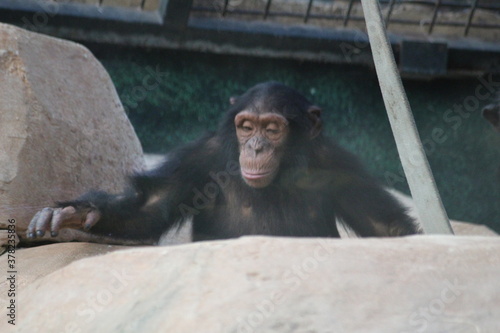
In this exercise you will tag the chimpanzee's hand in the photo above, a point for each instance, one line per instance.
(54, 219)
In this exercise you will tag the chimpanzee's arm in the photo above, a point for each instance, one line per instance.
(148, 208)
(370, 211)
(361, 201)
(138, 213)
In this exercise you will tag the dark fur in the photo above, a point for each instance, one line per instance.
(317, 182)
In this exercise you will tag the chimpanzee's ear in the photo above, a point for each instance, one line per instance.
(233, 99)
(492, 114)
(314, 113)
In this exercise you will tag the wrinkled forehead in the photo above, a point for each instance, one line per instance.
(277, 102)
(261, 117)
(260, 106)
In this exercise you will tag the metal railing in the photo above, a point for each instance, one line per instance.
(137, 4)
(303, 11)
(321, 30)
(308, 11)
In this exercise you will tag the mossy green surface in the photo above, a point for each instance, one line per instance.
(190, 91)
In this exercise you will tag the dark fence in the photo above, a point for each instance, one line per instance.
(344, 11)
(429, 37)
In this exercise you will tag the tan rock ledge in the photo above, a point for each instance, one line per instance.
(264, 284)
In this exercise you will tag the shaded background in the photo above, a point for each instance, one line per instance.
(173, 96)
(190, 91)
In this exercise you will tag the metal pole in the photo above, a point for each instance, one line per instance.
(434, 15)
(308, 11)
(471, 15)
(348, 14)
(416, 167)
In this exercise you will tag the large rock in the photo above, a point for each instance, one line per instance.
(36, 262)
(63, 129)
(259, 284)
(460, 228)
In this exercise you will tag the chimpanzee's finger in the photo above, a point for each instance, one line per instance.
(91, 219)
(30, 232)
(40, 223)
(62, 217)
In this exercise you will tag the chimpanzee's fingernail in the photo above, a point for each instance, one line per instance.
(31, 235)
(40, 233)
(54, 233)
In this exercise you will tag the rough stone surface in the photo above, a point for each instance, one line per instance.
(466, 229)
(459, 228)
(63, 129)
(36, 262)
(260, 284)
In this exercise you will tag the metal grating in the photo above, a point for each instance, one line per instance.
(145, 5)
(452, 17)
(467, 31)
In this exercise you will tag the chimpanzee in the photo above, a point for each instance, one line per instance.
(492, 114)
(267, 170)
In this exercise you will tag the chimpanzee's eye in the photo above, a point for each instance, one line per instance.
(272, 129)
(246, 126)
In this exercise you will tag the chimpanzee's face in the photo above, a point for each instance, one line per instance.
(262, 138)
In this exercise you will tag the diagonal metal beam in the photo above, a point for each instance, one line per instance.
(416, 167)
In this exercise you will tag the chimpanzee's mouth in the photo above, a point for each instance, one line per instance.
(255, 175)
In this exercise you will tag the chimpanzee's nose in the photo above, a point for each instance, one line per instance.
(257, 144)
